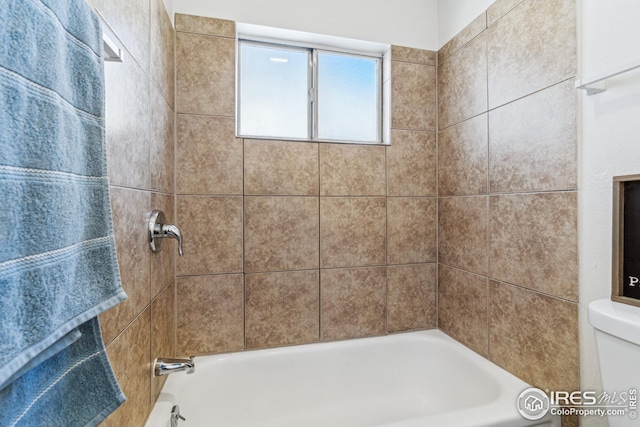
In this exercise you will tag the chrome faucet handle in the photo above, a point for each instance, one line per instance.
(175, 416)
(159, 230)
(173, 232)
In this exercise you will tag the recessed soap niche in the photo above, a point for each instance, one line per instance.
(626, 240)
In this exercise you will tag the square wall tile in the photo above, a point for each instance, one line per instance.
(499, 8)
(411, 163)
(352, 170)
(530, 48)
(205, 75)
(412, 230)
(163, 333)
(467, 34)
(463, 308)
(204, 25)
(209, 156)
(210, 314)
(161, 144)
(353, 303)
(282, 308)
(129, 19)
(535, 337)
(212, 232)
(281, 168)
(130, 357)
(163, 262)
(463, 158)
(409, 54)
(533, 142)
(534, 242)
(462, 84)
(413, 96)
(127, 118)
(411, 297)
(162, 51)
(464, 233)
(130, 209)
(352, 231)
(281, 233)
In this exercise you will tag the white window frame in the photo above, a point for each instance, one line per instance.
(312, 87)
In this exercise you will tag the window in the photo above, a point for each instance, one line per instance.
(307, 93)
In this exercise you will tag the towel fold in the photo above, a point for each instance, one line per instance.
(58, 266)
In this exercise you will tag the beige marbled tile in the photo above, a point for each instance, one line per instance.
(281, 168)
(209, 156)
(534, 242)
(499, 8)
(205, 75)
(352, 231)
(212, 234)
(468, 33)
(463, 308)
(163, 333)
(204, 25)
(353, 303)
(533, 142)
(282, 308)
(130, 20)
(411, 230)
(127, 120)
(352, 170)
(463, 158)
(462, 83)
(411, 163)
(409, 54)
(530, 48)
(535, 337)
(130, 210)
(411, 297)
(162, 45)
(162, 147)
(413, 96)
(130, 359)
(281, 233)
(464, 233)
(163, 262)
(209, 314)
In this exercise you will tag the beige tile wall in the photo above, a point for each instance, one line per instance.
(508, 285)
(297, 242)
(140, 155)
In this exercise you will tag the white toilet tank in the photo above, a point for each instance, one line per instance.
(617, 329)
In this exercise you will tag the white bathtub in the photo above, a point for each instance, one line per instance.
(417, 379)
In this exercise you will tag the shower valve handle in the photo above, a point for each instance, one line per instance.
(159, 230)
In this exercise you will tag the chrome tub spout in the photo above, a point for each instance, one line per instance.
(163, 366)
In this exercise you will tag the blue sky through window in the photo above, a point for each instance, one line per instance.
(347, 98)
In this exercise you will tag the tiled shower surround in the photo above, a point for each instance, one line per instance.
(507, 163)
(466, 222)
(299, 242)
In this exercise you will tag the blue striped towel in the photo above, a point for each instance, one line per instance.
(58, 266)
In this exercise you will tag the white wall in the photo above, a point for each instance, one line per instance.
(454, 15)
(610, 146)
(410, 23)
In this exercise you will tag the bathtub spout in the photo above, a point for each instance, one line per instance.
(169, 366)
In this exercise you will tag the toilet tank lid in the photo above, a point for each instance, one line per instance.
(617, 319)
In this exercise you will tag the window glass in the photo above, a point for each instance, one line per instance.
(273, 91)
(347, 98)
(289, 92)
